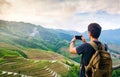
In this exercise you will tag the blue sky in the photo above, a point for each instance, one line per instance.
(63, 14)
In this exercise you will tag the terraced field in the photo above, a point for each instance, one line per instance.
(115, 61)
(35, 68)
(21, 62)
(39, 63)
(38, 54)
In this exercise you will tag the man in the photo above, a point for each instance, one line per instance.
(94, 31)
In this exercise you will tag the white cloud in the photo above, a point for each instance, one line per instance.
(60, 13)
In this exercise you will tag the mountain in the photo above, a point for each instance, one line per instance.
(33, 36)
(26, 35)
(67, 32)
(111, 36)
(32, 50)
(29, 50)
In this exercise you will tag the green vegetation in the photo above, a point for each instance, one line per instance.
(31, 50)
(74, 70)
(4, 52)
(26, 35)
(116, 73)
(38, 63)
(31, 67)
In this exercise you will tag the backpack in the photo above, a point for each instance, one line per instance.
(100, 64)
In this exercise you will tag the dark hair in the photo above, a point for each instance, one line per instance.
(95, 29)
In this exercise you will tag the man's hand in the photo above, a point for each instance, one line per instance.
(74, 39)
(83, 39)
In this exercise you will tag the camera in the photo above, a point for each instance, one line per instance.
(78, 37)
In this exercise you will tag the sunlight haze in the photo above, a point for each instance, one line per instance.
(63, 14)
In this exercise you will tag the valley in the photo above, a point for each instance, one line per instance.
(34, 51)
(36, 63)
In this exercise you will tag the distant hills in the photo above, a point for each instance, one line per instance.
(35, 36)
(29, 50)
(22, 44)
(30, 31)
(27, 35)
(111, 36)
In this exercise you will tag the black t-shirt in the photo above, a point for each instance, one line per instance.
(87, 51)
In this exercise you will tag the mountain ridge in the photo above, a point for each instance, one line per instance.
(27, 35)
(28, 47)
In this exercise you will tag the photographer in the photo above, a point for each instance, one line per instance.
(94, 31)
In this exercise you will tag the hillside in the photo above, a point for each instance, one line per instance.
(33, 36)
(32, 50)
(16, 62)
(29, 50)
(26, 35)
(111, 36)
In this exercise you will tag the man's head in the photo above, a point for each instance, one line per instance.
(94, 30)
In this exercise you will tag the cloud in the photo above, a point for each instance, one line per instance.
(110, 6)
(59, 8)
(66, 7)
(58, 13)
(3, 5)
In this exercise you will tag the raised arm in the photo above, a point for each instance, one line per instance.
(72, 48)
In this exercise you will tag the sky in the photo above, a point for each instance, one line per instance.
(63, 14)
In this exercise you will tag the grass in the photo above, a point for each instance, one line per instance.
(115, 61)
(42, 55)
(36, 63)
(31, 67)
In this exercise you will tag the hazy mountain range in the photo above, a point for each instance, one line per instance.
(27, 30)
(29, 50)
(35, 36)
(23, 44)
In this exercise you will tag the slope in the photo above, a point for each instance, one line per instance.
(26, 35)
(38, 63)
(32, 36)
(26, 50)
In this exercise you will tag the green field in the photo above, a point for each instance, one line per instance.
(35, 68)
(31, 62)
(44, 53)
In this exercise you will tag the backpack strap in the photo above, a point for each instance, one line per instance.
(97, 47)
(93, 56)
(93, 45)
(103, 46)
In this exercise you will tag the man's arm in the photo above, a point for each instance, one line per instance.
(72, 47)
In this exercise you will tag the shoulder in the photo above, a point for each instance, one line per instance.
(98, 43)
(83, 48)
(84, 45)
